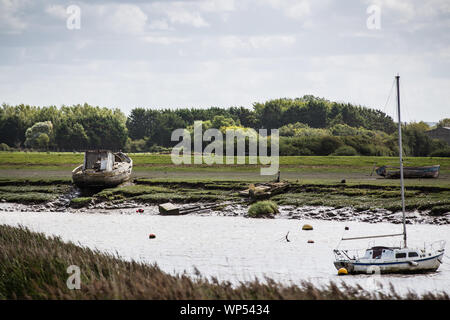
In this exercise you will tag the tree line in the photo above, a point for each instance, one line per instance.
(308, 126)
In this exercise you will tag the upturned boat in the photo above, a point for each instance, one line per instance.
(102, 168)
(395, 259)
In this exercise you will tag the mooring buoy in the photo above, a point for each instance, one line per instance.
(342, 272)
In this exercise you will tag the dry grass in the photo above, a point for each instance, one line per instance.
(33, 266)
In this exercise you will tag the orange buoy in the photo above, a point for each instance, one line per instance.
(151, 236)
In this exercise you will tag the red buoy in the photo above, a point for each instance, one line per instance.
(140, 210)
(151, 236)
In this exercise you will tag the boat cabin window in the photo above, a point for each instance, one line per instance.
(400, 255)
(412, 254)
(98, 160)
(377, 253)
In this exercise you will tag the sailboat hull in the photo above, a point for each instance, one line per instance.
(421, 265)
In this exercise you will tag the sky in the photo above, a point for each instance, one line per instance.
(203, 53)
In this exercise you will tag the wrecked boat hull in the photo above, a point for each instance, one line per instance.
(117, 172)
(100, 179)
(409, 172)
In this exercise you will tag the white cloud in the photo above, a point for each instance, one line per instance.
(164, 40)
(217, 5)
(233, 42)
(182, 16)
(57, 11)
(259, 42)
(298, 10)
(159, 25)
(126, 19)
(295, 9)
(413, 10)
(10, 22)
(404, 11)
(185, 13)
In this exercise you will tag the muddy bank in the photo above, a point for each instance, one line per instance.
(339, 202)
(285, 212)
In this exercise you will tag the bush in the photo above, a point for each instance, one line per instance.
(4, 147)
(441, 153)
(345, 151)
(328, 145)
(135, 146)
(263, 209)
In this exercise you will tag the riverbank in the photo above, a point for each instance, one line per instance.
(344, 184)
(339, 201)
(35, 267)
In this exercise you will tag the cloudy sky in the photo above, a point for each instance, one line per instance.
(226, 53)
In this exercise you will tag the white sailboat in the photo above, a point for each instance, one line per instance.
(383, 259)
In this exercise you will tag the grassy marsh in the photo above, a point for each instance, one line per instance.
(35, 177)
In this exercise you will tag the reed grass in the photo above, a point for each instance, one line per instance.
(33, 266)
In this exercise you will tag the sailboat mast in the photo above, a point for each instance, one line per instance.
(401, 158)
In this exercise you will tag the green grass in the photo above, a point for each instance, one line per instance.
(67, 159)
(160, 193)
(263, 209)
(80, 202)
(34, 266)
(31, 192)
(315, 179)
(34, 188)
(364, 196)
(360, 196)
(27, 198)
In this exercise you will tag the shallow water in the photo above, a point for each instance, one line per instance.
(236, 248)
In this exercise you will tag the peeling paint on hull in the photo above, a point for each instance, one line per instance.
(102, 179)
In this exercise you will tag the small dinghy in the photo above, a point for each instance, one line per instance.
(102, 169)
(381, 259)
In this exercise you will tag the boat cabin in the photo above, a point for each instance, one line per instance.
(389, 253)
(98, 160)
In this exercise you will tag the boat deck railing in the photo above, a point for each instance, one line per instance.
(344, 255)
(436, 246)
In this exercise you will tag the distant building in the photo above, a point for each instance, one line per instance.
(442, 133)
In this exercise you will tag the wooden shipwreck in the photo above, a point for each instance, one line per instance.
(264, 190)
(103, 168)
(170, 209)
(408, 172)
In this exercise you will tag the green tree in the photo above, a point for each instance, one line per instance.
(38, 136)
(444, 123)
